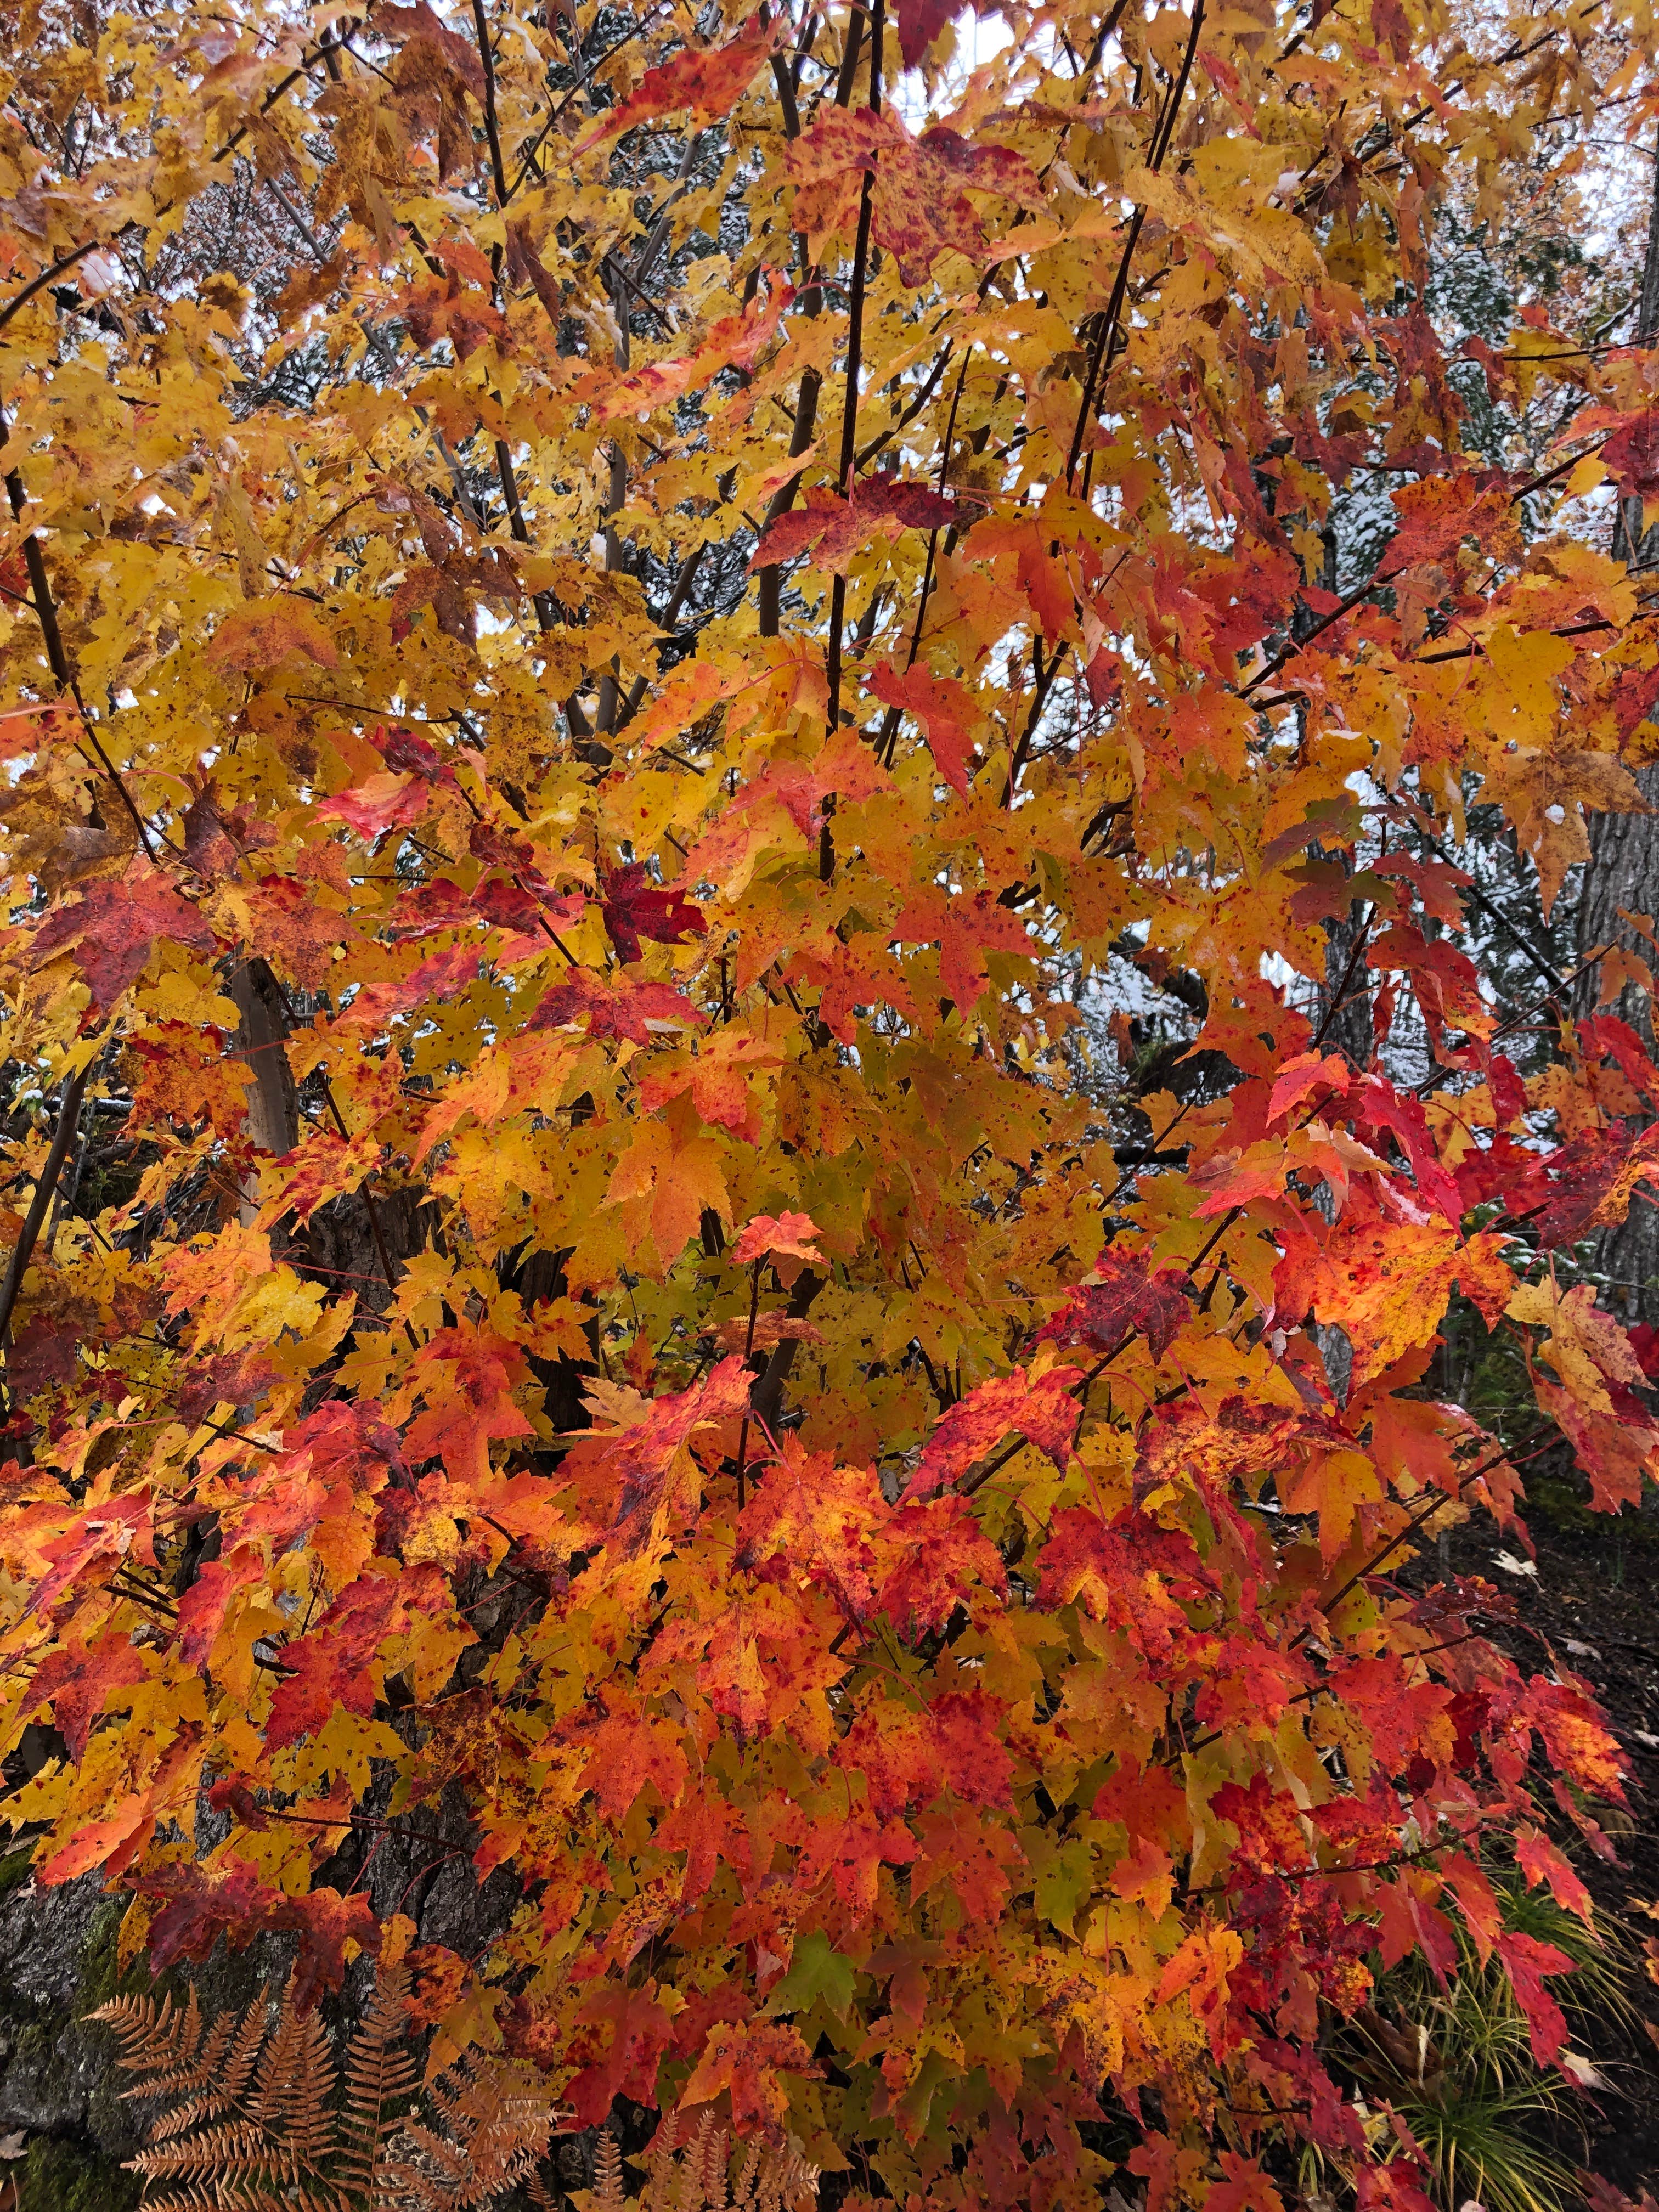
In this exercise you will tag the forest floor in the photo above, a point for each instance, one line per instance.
(1591, 1603)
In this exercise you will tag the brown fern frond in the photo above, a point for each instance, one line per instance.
(234, 2152)
(294, 2088)
(748, 2173)
(690, 2191)
(793, 2185)
(378, 2073)
(224, 2084)
(497, 2123)
(609, 2195)
(714, 2171)
(251, 2128)
(159, 2042)
(657, 2196)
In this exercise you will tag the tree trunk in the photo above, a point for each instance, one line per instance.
(273, 1104)
(1624, 872)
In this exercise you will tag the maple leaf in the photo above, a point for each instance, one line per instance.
(942, 706)
(416, 27)
(77, 1680)
(1631, 455)
(931, 1558)
(380, 803)
(230, 1378)
(1039, 1407)
(811, 1517)
(1124, 1297)
(406, 752)
(919, 207)
(184, 1076)
(1243, 2187)
(792, 1235)
(467, 1375)
(634, 1478)
(966, 927)
(623, 1009)
(708, 81)
(336, 1662)
(1388, 1287)
(833, 530)
(198, 1905)
(1529, 1963)
(1299, 1077)
(113, 929)
(919, 22)
(1132, 1573)
(635, 908)
(265, 632)
(626, 1751)
(743, 2060)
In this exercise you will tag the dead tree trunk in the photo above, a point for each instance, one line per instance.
(1624, 873)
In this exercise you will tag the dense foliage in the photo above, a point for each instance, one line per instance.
(614, 625)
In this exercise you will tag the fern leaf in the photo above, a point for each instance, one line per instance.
(747, 2175)
(714, 2172)
(159, 2042)
(657, 2196)
(690, 2191)
(294, 2092)
(378, 2073)
(223, 2085)
(609, 2195)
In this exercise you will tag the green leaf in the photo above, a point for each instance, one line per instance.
(815, 1971)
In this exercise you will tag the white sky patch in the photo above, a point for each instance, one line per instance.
(979, 40)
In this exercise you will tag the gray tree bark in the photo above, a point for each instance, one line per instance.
(273, 1104)
(1623, 872)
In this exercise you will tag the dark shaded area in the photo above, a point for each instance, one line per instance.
(1590, 1607)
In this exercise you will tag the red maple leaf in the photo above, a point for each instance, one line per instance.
(931, 1558)
(1529, 1963)
(791, 1234)
(941, 704)
(919, 22)
(113, 928)
(229, 1378)
(918, 207)
(625, 1477)
(203, 1607)
(467, 1375)
(634, 907)
(1631, 455)
(1125, 1298)
(1131, 1572)
(622, 1009)
(75, 1679)
(334, 1663)
(619, 2037)
(198, 1906)
(708, 81)
(1271, 1835)
(811, 1517)
(966, 927)
(406, 753)
(833, 529)
(1039, 1407)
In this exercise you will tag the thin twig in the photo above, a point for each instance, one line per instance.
(68, 1115)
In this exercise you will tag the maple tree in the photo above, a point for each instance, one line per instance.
(574, 693)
